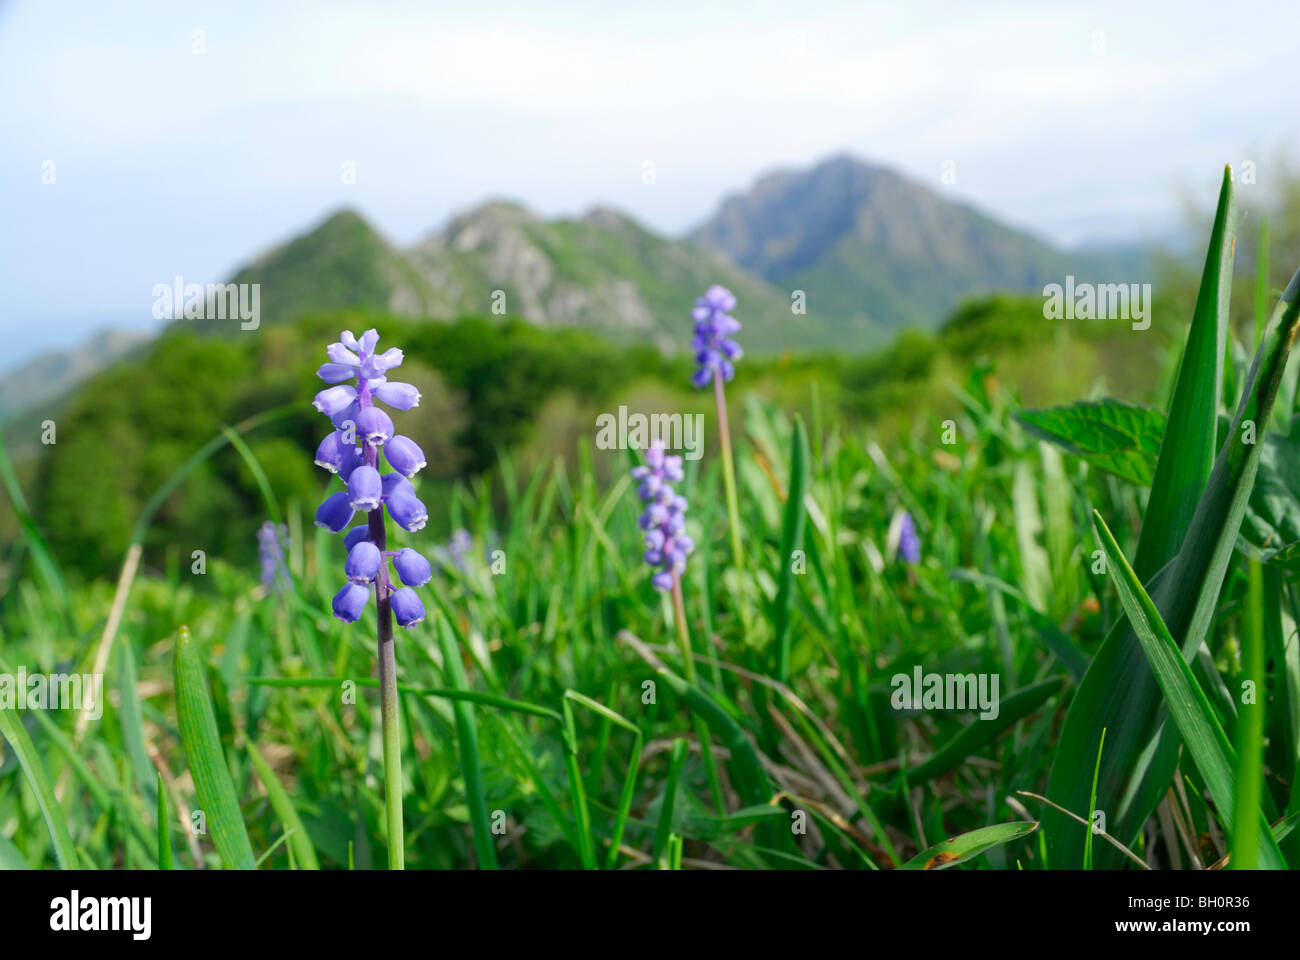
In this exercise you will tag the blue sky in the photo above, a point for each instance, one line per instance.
(1096, 121)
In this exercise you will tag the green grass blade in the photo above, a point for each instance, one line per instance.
(968, 845)
(132, 724)
(1092, 803)
(1187, 703)
(207, 761)
(11, 728)
(471, 763)
(299, 841)
(664, 826)
(577, 793)
(791, 540)
(47, 568)
(164, 830)
(629, 780)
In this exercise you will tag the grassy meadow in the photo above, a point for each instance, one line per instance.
(1124, 569)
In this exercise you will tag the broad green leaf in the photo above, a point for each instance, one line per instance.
(299, 839)
(206, 759)
(968, 845)
(1187, 444)
(1250, 730)
(12, 729)
(1116, 437)
(1119, 691)
(1200, 729)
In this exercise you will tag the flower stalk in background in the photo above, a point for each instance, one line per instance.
(352, 451)
(716, 353)
(271, 538)
(909, 543)
(667, 547)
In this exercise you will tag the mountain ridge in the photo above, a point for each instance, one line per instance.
(865, 250)
(869, 242)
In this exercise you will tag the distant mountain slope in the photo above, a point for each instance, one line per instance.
(869, 244)
(603, 272)
(49, 376)
(342, 262)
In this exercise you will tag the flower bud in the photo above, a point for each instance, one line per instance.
(334, 400)
(364, 488)
(412, 567)
(333, 452)
(355, 536)
(407, 607)
(404, 456)
(374, 426)
(335, 512)
(350, 602)
(407, 511)
(363, 562)
(401, 396)
(394, 482)
(335, 372)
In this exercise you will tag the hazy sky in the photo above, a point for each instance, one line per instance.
(1088, 121)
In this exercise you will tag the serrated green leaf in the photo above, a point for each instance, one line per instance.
(1116, 437)
(1270, 530)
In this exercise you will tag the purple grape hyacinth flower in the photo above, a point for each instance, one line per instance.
(352, 450)
(664, 519)
(909, 544)
(715, 351)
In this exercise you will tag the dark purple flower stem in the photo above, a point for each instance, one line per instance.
(392, 733)
(733, 503)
